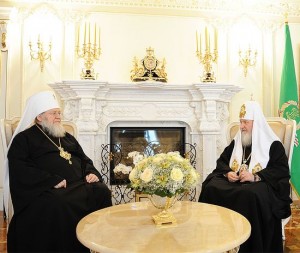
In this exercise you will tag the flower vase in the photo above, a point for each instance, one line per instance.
(164, 204)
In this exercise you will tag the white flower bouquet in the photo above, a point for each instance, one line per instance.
(165, 174)
(122, 171)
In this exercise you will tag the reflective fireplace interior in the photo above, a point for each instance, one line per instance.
(146, 140)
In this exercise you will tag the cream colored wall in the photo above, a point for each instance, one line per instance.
(124, 36)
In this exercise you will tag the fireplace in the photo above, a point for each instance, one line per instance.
(96, 107)
(145, 140)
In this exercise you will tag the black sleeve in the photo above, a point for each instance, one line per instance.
(224, 159)
(276, 174)
(26, 180)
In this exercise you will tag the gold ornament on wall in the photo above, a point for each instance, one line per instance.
(247, 59)
(3, 31)
(208, 56)
(89, 50)
(39, 52)
(149, 68)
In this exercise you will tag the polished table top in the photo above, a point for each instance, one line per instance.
(129, 228)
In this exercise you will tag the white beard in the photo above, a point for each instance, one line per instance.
(55, 130)
(246, 139)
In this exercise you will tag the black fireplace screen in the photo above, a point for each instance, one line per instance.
(147, 141)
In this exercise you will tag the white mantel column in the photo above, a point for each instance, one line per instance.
(214, 101)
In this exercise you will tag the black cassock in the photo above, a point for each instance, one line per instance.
(263, 203)
(45, 218)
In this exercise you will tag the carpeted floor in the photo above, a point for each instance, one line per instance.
(2, 234)
(292, 230)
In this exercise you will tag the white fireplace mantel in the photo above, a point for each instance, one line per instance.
(95, 106)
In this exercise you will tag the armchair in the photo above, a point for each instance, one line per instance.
(7, 128)
(285, 130)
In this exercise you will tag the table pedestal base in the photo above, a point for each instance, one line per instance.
(164, 218)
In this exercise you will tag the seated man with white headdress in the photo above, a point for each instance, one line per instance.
(53, 184)
(252, 178)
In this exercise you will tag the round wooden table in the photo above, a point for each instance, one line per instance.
(129, 228)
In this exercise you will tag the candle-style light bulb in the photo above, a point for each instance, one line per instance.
(78, 36)
(89, 33)
(95, 36)
(99, 38)
(200, 44)
(84, 33)
(216, 39)
(197, 41)
(206, 39)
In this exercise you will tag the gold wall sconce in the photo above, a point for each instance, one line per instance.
(247, 59)
(3, 32)
(209, 56)
(89, 50)
(39, 53)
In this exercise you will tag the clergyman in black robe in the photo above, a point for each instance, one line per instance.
(253, 180)
(50, 192)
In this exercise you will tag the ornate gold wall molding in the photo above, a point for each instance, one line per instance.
(177, 7)
(3, 31)
(4, 19)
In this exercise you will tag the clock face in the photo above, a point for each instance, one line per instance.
(150, 63)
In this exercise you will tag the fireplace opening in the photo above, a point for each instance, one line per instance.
(146, 140)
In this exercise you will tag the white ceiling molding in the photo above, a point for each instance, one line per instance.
(201, 8)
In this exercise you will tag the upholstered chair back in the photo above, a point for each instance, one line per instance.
(8, 126)
(284, 129)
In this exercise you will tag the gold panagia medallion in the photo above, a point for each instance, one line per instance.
(235, 165)
(64, 154)
(256, 168)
